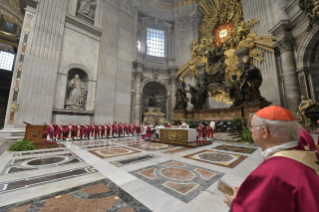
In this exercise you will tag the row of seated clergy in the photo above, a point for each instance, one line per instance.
(205, 132)
(77, 132)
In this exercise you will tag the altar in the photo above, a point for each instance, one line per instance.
(177, 134)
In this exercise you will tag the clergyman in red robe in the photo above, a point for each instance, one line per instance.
(126, 130)
(98, 130)
(77, 132)
(49, 133)
(148, 131)
(104, 129)
(209, 133)
(92, 131)
(200, 132)
(59, 133)
(69, 132)
(288, 178)
(85, 132)
(109, 130)
(121, 129)
(115, 130)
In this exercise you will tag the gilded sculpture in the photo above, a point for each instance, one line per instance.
(223, 29)
(311, 8)
(301, 111)
(246, 89)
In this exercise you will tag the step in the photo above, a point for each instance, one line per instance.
(15, 138)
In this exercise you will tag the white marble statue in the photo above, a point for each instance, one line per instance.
(77, 96)
(87, 7)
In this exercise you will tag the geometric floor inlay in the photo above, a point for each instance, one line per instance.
(131, 160)
(112, 152)
(240, 149)
(217, 158)
(36, 163)
(102, 195)
(149, 146)
(181, 180)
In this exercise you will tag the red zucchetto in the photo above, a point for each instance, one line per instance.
(276, 113)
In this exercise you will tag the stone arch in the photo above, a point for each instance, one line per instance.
(306, 48)
(145, 82)
(78, 66)
(168, 93)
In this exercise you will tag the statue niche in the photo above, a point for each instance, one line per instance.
(76, 90)
(154, 102)
(87, 8)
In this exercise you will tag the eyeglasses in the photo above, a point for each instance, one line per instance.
(251, 126)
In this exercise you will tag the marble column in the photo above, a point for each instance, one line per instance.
(38, 65)
(173, 98)
(291, 84)
(138, 97)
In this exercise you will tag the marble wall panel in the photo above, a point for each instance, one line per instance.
(66, 119)
(267, 13)
(77, 49)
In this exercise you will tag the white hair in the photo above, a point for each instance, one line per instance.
(285, 130)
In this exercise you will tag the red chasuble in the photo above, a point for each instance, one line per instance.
(136, 129)
(98, 130)
(50, 131)
(148, 132)
(168, 126)
(115, 128)
(279, 184)
(59, 132)
(85, 131)
(69, 131)
(126, 129)
(209, 132)
(77, 130)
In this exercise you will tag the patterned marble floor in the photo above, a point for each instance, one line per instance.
(126, 174)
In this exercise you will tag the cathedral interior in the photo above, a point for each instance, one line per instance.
(123, 66)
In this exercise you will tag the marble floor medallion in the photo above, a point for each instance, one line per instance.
(217, 158)
(149, 146)
(131, 160)
(112, 152)
(36, 163)
(102, 195)
(181, 180)
(232, 148)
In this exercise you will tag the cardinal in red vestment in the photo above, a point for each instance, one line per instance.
(104, 130)
(50, 132)
(209, 133)
(98, 130)
(200, 132)
(109, 130)
(115, 130)
(148, 131)
(85, 132)
(288, 178)
(59, 133)
(136, 129)
(126, 129)
(92, 131)
(168, 125)
(121, 129)
(69, 132)
(77, 132)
